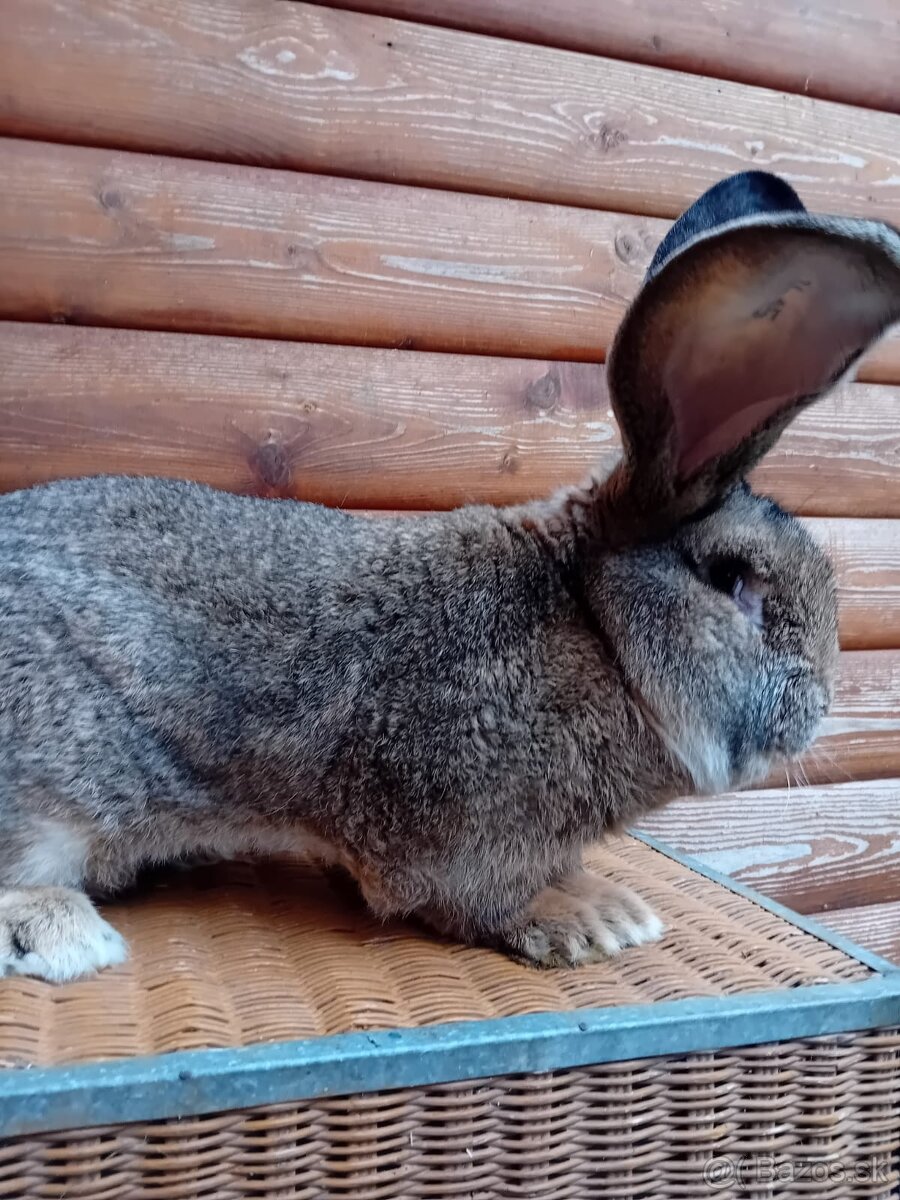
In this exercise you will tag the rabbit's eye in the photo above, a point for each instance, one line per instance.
(726, 575)
(735, 578)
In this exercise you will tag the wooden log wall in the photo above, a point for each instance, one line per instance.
(372, 254)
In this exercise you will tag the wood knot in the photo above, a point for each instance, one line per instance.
(110, 199)
(626, 247)
(271, 463)
(509, 463)
(543, 393)
(608, 138)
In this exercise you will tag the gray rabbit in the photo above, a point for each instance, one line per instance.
(449, 707)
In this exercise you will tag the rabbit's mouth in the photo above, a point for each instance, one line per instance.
(768, 736)
(755, 768)
(797, 715)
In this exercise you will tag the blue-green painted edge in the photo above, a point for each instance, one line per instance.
(193, 1082)
(844, 944)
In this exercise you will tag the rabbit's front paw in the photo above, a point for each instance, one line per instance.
(55, 934)
(579, 920)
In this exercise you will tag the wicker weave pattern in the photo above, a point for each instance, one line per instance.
(245, 953)
(628, 1131)
(241, 954)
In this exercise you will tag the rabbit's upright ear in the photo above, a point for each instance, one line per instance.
(751, 309)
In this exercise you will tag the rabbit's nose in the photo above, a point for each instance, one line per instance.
(803, 704)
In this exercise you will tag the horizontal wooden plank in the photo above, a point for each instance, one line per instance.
(840, 458)
(97, 237)
(305, 87)
(875, 926)
(834, 49)
(866, 557)
(813, 849)
(860, 738)
(373, 428)
(335, 424)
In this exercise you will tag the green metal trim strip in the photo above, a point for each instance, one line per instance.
(846, 945)
(189, 1083)
(193, 1082)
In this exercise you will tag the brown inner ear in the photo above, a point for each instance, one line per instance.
(755, 339)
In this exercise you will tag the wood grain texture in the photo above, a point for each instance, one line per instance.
(875, 926)
(373, 428)
(841, 457)
(831, 48)
(305, 87)
(866, 557)
(339, 425)
(811, 848)
(98, 237)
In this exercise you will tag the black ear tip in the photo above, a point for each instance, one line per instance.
(750, 192)
(747, 194)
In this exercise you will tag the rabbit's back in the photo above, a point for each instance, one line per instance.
(169, 536)
(141, 627)
(168, 652)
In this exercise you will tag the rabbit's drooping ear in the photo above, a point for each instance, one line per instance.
(751, 309)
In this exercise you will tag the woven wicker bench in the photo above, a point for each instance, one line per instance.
(269, 1039)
